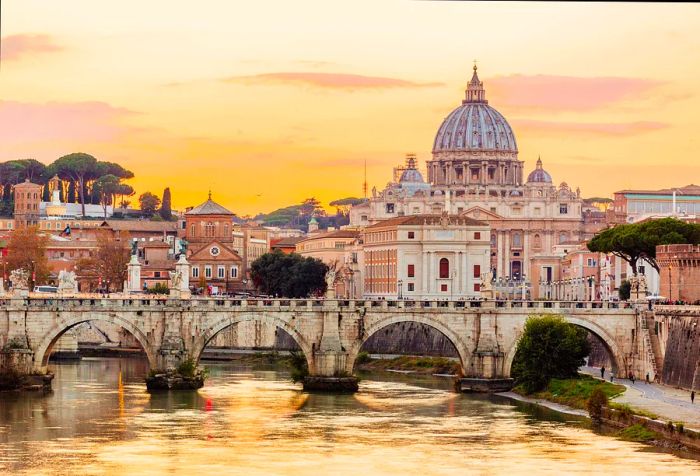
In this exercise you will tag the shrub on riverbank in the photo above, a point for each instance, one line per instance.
(575, 392)
(422, 365)
(549, 348)
(639, 433)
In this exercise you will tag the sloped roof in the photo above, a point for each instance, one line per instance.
(332, 234)
(210, 207)
(428, 220)
(140, 225)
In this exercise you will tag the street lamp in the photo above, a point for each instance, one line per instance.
(400, 283)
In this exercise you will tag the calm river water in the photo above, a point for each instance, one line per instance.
(100, 420)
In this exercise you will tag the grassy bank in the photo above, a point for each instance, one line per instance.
(418, 365)
(574, 392)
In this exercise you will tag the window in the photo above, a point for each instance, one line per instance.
(562, 237)
(517, 211)
(443, 288)
(234, 271)
(590, 262)
(226, 230)
(563, 208)
(390, 208)
(538, 241)
(477, 287)
(207, 271)
(220, 272)
(363, 218)
(209, 229)
(444, 268)
(641, 270)
(411, 271)
(195, 271)
(517, 242)
(538, 211)
(477, 235)
(477, 270)
(411, 235)
(156, 274)
(411, 287)
(192, 230)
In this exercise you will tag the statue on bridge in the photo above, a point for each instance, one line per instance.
(20, 279)
(67, 281)
(175, 279)
(331, 275)
(134, 247)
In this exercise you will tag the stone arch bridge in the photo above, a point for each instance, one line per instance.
(329, 332)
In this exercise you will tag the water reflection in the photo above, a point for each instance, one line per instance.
(100, 420)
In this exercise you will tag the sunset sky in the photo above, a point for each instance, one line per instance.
(266, 103)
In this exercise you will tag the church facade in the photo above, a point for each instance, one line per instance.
(475, 172)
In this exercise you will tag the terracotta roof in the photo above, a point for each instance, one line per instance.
(332, 234)
(428, 220)
(210, 207)
(691, 189)
(289, 241)
(140, 225)
(155, 244)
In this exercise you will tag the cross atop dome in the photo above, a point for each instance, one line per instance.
(475, 92)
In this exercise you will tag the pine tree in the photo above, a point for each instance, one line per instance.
(166, 211)
(61, 197)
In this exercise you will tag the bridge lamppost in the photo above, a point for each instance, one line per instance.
(400, 285)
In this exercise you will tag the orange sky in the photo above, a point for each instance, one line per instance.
(267, 103)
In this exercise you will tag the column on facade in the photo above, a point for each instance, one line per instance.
(457, 261)
(431, 274)
(525, 271)
(506, 254)
(499, 253)
(484, 173)
(424, 274)
(465, 278)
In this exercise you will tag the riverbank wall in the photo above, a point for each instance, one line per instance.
(673, 432)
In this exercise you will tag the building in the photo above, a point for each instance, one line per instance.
(214, 262)
(250, 241)
(475, 172)
(425, 257)
(679, 271)
(636, 205)
(27, 201)
(285, 245)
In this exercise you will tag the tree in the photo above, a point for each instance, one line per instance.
(344, 204)
(636, 241)
(106, 188)
(625, 290)
(46, 192)
(27, 250)
(288, 275)
(125, 190)
(595, 404)
(549, 348)
(166, 211)
(109, 263)
(310, 207)
(77, 167)
(148, 203)
(71, 192)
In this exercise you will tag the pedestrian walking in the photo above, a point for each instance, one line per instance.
(692, 396)
(612, 377)
(632, 378)
(602, 373)
(647, 377)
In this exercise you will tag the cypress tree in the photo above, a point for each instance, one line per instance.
(46, 195)
(61, 197)
(166, 211)
(71, 192)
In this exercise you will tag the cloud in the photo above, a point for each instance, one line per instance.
(547, 92)
(329, 80)
(595, 128)
(15, 47)
(60, 121)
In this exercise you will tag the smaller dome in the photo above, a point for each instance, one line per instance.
(411, 176)
(539, 175)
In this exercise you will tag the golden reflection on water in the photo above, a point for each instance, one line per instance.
(100, 420)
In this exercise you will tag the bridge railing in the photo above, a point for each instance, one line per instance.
(307, 304)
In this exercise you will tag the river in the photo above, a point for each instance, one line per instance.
(100, 420)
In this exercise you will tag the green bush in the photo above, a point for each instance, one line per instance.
(638, 433)
(549, 348)
(625, 290)
(362, 358)
(300, 368)
(596, 403)
(187, 368)
(159, 288)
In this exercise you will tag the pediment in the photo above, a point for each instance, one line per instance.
(224, 253)
(480, 213)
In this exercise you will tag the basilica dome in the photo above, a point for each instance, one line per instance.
(475, 126)
(539, 175)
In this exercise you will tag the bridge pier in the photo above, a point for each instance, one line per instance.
(17, 371)
(328, 372)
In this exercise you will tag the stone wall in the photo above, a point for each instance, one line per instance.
(682, 356)
(410, 338)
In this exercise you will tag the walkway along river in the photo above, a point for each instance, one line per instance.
(100, 420)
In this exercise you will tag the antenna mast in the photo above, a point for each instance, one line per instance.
(364, 184)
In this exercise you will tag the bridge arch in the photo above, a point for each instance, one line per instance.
(268, 318)
(617, 357)
(433, 322)
(43, 350)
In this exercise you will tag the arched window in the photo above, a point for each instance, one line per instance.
(444, 268)
(517, 242)
(562, 237)
(209, 229)
(538, 241)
